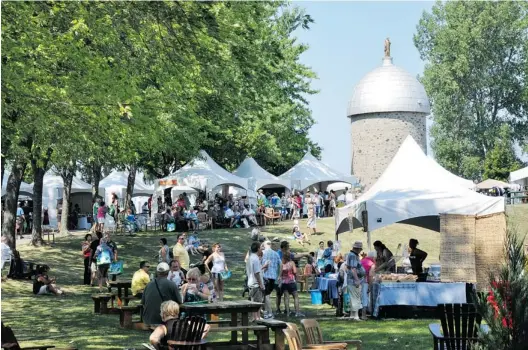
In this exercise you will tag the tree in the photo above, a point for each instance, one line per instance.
(501, 160)
(476, 77)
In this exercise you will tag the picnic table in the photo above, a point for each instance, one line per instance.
(235, 308)
(123, 287)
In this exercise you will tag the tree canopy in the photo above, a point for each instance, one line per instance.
(476, 72)
(149, 84)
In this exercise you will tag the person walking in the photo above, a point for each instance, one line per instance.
(101, 214)
(288, 284)
(180, 253)
(87, 253)
(355, 276)
(219, 266)
(105, 256)
(255, 279)
(271, 265)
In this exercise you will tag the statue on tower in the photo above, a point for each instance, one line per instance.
(387, 47)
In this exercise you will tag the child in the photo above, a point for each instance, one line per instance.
(192, 244)
(299, 236)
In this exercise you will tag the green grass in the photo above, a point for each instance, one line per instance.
(69, 321)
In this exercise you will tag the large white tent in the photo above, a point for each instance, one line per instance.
(412, 187)
(258, 177)
(117, 182)
(53, 189)
(520, 176)
(455, 180)
(201, 173)
(26, 189)
(310, 171)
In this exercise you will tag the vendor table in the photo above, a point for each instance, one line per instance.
(417, 294)
(328, 285)
(242, 307)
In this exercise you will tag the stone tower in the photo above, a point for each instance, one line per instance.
(387, 105)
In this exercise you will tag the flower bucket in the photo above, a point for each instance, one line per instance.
(317, 298)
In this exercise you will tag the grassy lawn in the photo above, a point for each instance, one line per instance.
(69, 321)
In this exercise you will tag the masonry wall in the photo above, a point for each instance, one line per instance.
(376, 137)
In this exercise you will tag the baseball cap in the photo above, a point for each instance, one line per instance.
(162, 267)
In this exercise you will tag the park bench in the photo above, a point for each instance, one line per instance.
(9, 341)
(277, 327)
(101, 302)
(460, 325)
(125, 315)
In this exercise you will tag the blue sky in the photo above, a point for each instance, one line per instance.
(346, 42)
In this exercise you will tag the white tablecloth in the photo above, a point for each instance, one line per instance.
(419, 294)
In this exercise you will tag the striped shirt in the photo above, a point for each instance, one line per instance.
(272, 272)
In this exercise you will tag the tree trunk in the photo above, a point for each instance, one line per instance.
(12, 190)
(38, 184)
(96, 178)
(130, 186)
(67, 178)
(2, 165)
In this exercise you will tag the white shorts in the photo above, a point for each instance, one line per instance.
(43, 290)
(93, 267)
(100, 220)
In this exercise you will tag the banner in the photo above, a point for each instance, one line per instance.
(168, 182)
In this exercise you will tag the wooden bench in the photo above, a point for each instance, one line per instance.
(277, 327)
(125, 315)
(101, 302)
(260, 331)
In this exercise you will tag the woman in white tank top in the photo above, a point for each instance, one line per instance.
(219, 266)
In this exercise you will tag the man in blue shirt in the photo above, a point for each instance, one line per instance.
(271, 265)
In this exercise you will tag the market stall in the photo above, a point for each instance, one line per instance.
(404, 290)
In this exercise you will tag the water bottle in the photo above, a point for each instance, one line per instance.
(151, 276)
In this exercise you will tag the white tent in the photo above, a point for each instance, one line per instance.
(117, 182)
(520, 176)
(455, 180)
(53, 189)
(310, 171)
(411, 188)
(201, 173)
(490, 183)
(25, 188)
(258, 177)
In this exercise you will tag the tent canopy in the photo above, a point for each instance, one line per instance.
(310, 171)
(117, 180)
(520, 176)
(455, 180)
(490, 183)
(412, 187)
(259, 177)
(201, 173)
(25, 188)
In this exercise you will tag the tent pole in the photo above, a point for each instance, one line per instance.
(369, 241)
